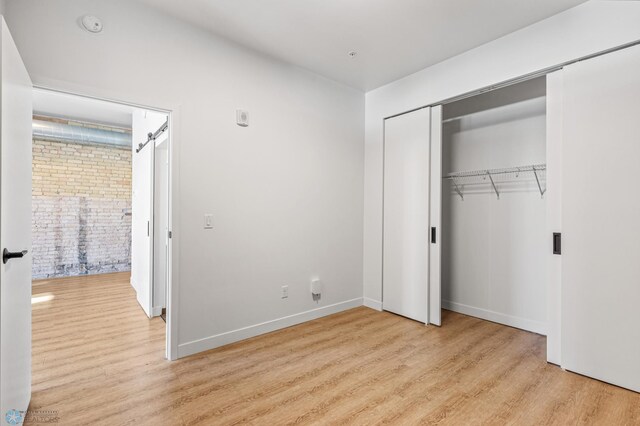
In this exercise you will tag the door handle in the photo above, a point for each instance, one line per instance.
(557, 243)
(8, 255)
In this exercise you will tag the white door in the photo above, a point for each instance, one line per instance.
(142, 164)
(435, 218)
(406, 215)
(601, 219)
(160, 222)
(15, 232)
(553, 201)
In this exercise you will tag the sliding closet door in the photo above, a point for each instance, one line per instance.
(601, 219)
(406, 214)
(435, 219)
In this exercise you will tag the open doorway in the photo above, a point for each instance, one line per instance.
(100, 224)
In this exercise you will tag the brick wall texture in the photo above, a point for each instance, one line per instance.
(80, 196)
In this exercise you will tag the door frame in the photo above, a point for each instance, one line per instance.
(173, 114)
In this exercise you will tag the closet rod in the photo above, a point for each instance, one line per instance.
(153, 136)
(508, 170)
(447, 120)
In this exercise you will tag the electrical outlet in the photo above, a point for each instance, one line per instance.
(284, 293)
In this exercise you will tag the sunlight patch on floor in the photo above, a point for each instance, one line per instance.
(40, 298)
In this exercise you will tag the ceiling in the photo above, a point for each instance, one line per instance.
(54, 104)
(392, 38)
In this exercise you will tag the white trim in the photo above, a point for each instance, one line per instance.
(200, 345)
(53, 86)
(517, 322)
(156, 311)
(371, 303)
(173, 274)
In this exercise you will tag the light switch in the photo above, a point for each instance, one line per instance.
(242, 118)
(208, 221)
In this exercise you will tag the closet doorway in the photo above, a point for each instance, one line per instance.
(513, 186)
(493, 234)
(464, 216)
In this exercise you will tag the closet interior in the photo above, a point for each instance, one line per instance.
(493, 234)
(509, 206)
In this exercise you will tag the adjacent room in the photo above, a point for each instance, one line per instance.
(276, 212)
(99, 222)
(81, 186)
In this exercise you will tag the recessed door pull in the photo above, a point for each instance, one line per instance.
(557, 243)
(8, 255)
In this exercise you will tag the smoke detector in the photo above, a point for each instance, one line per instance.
(352, 54)
(92, 24)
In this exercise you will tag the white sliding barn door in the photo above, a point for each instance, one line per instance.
(142, 212)
(435, 218)
(406, 214)
(160, 222)
(15, 232)
(601, 219)
(142, 227)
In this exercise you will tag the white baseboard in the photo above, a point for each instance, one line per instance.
(190, 348)
(373, 304)
(156, 311)
(517, 322)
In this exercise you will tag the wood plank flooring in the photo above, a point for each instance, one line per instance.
(97, 360)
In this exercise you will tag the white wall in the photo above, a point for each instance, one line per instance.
(586, 29)
(286, 192)
(494, 250)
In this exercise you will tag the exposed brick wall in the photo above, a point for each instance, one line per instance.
(80, 196)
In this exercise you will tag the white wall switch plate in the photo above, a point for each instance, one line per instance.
(285, 291)
(242, 117)
(208, 221)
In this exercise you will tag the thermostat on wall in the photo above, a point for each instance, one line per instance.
(242, 117)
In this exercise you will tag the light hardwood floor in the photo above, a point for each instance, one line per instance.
(97, 360)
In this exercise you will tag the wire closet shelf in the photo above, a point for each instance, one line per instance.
(535, 170)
